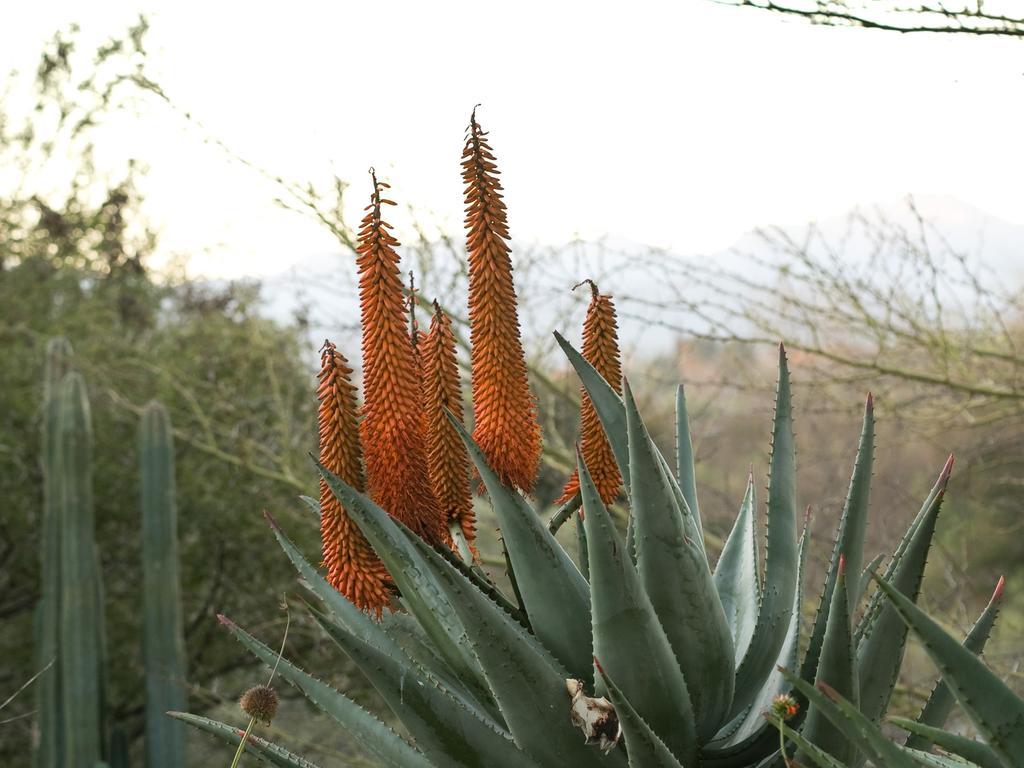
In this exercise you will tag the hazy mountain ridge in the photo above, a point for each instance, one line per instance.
(324, 283)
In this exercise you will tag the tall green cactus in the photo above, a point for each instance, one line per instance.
(163, 644)
(70, 632)
(48, 747)
(80, 633)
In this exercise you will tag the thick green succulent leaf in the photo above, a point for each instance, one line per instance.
(880, 652)
(930, 760)
(607, 404)
(403, 630)
(746, 737)
(690, 523)
(686, 475)
(370, 631)
(866, 576)
(371, 734)
(863, 733)
(527, 680)
(420, 592)
(781, 554)
(629, 641)
(877, 601)
(354, 620)
(444, 728)
(849, 539)
(808, 749)
(264, 751)
(736, 577)
(835, 668)
(995, 710)
(483, 582)
(940, 702)
(581, 547)
(976, 751)
(312, 504)
(646, 750)
(551, 585)
(674, 573)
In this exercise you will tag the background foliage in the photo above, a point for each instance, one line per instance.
(937, 342)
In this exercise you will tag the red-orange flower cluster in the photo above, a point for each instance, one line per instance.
(352, 567)
(504, 410)
(447, 459)
(601, 350)
(391, 428)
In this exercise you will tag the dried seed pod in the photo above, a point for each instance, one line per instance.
(259, 702)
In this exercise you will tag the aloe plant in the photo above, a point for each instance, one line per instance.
(635, 651)
(477, 677)
(995, 710)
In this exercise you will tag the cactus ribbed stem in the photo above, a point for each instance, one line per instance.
(163, 644)
(48, 752)
(447, 458)
(81, 607)
(352, 567)
(391, 429)
(601, 350)
(505, 423)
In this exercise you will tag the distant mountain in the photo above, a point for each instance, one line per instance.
(323, 284)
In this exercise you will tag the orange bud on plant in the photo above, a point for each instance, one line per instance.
(391, 429)
(352, 566)
(447, 459)
(504, 410)
(601, 350)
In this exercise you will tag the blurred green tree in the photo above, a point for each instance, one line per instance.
(73, 262)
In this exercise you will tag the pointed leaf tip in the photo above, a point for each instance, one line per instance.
(271, 521)
(947, 470)
(225, 620)
(997, 594)
(869, 406)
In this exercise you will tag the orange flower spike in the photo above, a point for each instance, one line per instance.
(601, 350)
(505, 413)
(391, 429)
(352, 567)
(447, 458)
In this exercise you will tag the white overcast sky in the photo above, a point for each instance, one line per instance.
(679, 124)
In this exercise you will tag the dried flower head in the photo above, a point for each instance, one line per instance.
(260, 703)
(447, 458)
(504, 410)
(596, 717)
(601, 350)
(352, 566)
(391, 429)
